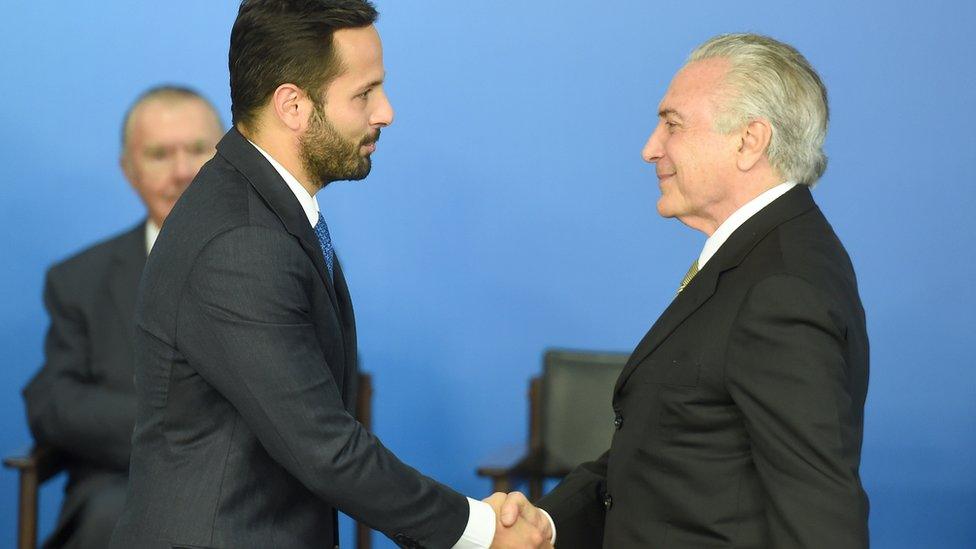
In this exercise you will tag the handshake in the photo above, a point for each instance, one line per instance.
(519, 524)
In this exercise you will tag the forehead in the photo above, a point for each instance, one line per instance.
(169, 119)
(695, 87)
(360, 52)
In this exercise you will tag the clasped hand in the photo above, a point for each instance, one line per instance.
(519, 524)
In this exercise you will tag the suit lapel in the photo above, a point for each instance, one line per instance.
(698, 291)
(129, 259)
(348, 320)
(730, 255)
(276, 194)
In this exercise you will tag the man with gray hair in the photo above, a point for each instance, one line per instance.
(739, 416)
(82, 402)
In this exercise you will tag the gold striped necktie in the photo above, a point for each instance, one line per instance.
(692, 271)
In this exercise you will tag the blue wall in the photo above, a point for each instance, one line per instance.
(509, 210)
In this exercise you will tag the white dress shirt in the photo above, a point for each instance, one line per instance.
(152, 232)
(739, 217)
(480, 529)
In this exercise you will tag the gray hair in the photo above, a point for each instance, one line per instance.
(169, 93)
(772, 80)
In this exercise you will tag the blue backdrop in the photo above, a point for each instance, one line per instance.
(509, 210)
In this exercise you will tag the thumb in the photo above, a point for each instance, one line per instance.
(510, 512)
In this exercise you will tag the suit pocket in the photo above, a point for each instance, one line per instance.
(671, 372)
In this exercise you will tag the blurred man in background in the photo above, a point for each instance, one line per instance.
(82, 401)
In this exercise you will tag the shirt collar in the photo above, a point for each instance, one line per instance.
(309, 203)
(739, 217)
(152, 232)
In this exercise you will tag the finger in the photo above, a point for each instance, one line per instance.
(496, 499)
(513, 506)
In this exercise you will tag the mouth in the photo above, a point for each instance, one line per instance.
(369, 145)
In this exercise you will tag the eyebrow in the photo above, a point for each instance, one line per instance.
(373, 84)
(664, 113)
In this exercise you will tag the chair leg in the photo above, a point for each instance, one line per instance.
(363, 538)
(27, 524)
(535, 489)
(501, 484)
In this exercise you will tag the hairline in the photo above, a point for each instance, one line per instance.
(167, 95)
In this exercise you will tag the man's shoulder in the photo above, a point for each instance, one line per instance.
(220, 201)
(808, 244)
(221, 197)
(804, 248)
(93, 260)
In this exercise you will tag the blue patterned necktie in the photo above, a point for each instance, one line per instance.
(325, 241)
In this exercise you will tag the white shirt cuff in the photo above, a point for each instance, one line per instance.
(481, 527)
(551, 523)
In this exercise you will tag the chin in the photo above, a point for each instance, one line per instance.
(663, 209)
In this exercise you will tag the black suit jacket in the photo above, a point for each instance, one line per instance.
(741, 411)
(243, 347)
(82, 401)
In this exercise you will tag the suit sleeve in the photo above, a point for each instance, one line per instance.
(246, 325)
(787, 373)
(576, 505)
(66, 406)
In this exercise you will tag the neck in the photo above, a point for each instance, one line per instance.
(741, 194)
(285, 151)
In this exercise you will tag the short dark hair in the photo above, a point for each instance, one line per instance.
(172, 93)
(287, 41)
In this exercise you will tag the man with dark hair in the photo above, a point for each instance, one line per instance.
(82, 402)
(245, 337)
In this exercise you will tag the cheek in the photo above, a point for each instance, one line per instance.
(694, 161)
(348, 121)
(155, 185)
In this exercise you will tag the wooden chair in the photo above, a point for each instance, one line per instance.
(571, 420)
(35, 468)
(43, 463)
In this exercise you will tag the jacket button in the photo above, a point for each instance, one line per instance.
(618, 421)
(607, 501)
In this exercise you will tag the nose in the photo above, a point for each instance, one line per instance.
(654, 148)
(184, 169)
(382, 115)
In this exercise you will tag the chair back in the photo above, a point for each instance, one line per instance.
(576, 412)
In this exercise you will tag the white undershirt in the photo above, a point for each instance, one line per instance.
(480, 529)
(739, 217)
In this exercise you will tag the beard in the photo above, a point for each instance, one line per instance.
(327, 156)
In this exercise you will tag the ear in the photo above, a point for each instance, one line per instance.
(291, 106)
(754, 143)
(125, 162)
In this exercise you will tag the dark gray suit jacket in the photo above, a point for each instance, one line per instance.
(82, 401)
(243, 347)
(740, 414)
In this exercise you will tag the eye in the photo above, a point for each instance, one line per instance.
(197, 148)
(365, 94)
(156, 153)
